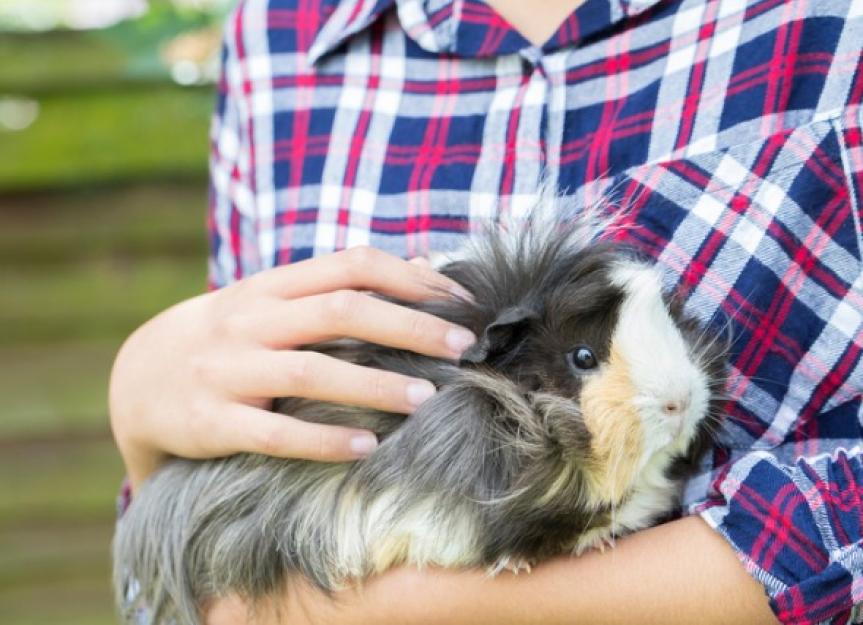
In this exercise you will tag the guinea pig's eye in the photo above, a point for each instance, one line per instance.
(583, 358)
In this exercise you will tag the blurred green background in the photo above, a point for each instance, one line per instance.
(104, 112)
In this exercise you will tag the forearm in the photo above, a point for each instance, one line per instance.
(681, 572)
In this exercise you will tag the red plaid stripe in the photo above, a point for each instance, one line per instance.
(730, 130)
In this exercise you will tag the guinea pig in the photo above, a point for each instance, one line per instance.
(572, 420)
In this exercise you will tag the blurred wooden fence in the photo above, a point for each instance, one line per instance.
(102, 212)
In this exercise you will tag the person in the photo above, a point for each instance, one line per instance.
(353, 134)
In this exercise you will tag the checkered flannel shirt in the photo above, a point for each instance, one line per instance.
(732, 132)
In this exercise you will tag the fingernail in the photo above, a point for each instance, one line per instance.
(459, 339)
(364, 444)
(418, 392)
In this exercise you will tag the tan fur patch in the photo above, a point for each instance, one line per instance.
(420, 537)
(390, 552)
(615, 426)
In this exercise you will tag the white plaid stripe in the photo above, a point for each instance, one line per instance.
(714, 166)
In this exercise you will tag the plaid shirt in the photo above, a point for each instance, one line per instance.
(731, 130)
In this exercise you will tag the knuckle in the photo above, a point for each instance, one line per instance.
(363, 256)
(296, 374)
(235, 324)
(380, 387)
(421, 327)
(202, 367)
(341, 305)
(321, 443)
(268, 440)
(199, 417)
(239, 291)
(253, 284)
(234, 289)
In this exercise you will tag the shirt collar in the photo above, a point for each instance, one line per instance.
(348, 18)
(467, 28)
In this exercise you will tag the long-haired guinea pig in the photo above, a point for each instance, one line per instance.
(572, 420)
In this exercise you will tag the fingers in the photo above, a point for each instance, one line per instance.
(316, 376)
(252, 430)
(352, 314)
(362, 268)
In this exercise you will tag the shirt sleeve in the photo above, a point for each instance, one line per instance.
(231, 211)
(798, 529)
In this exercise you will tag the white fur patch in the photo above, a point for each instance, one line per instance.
(384, 535)
(659, 360)
(662, 371)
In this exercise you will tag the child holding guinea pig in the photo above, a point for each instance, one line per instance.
(352, 134)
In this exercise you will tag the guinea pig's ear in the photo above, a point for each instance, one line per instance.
(501, 335)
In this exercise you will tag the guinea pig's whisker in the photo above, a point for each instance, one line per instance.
(616, 206)
(721, 397)
(703, 346)
(724, 332)
(712, 422)
(759, 378)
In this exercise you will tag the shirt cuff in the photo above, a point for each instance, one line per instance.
(124, 497)
(798, 529)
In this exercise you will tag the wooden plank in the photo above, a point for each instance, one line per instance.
(126, 222)
(95, 265)
(93, 299)
(56, 522)
(59, 482)
(73, 601)
(90, 265)
(58, 390)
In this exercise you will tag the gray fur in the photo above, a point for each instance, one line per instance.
(476, 460)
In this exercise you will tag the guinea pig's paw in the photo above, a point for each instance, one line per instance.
(507, 563)
(599, 538)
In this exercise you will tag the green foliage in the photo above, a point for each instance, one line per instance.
(109, 136)
(35, 63)
(164, 20)
(70, 60)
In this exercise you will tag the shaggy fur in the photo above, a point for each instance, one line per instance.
(500, 469)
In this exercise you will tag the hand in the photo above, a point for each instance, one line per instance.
(198, 379)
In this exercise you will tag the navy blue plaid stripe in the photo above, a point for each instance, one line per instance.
(730, 131)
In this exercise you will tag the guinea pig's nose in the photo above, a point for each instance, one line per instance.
(675, 407)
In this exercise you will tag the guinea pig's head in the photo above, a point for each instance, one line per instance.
(619, 382)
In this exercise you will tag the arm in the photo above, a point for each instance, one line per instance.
(796, 529)
(198, 379)
(681, 572)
